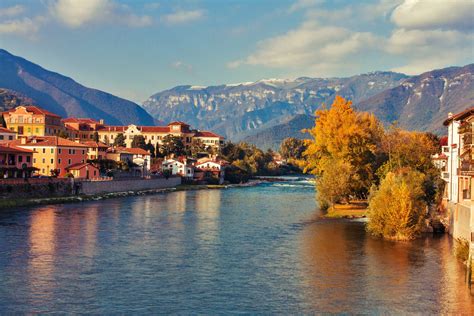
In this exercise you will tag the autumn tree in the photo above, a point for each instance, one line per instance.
(398, 207)
(119, 141)
(342, 136)
(292, 148)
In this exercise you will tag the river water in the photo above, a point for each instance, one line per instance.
(242, 250)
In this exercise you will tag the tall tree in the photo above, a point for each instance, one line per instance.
(172, 145)
(119, 140)
(292, 148)
(138, 141)
(95, 136)
(150, 148)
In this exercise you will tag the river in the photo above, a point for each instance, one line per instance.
(242, 250)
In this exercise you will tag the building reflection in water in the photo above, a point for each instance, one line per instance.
(42, 253)
(208, 204)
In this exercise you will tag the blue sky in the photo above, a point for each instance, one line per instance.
(136, 48)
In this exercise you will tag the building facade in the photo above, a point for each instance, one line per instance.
(52, 154)
(459, 175)
(15, 162)
(32, 121)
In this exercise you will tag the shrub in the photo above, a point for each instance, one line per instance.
(398, 207)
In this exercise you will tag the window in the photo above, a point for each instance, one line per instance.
(20, 158)
(28, 158)
(37, 130)
(52, 150)
(59, 150)
(83, 152)
(34, 160)
(10, 137)
(52, 160)
(59, 160)
(73, 151)
(44, 160)
(1, 137)
(69, 161)
(44, 150)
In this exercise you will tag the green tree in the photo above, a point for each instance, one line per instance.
(150, 148)
(197, 147)
(397, 209)
(138, 141)
(119, 141)
(95, 136)
(2, 121)
(172, 145)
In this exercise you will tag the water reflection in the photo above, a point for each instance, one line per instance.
(253, 250)
(347, 271)
(42, 251)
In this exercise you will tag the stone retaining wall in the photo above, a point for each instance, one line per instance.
(98, 187)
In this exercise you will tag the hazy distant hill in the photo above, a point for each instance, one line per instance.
(64, 96)
(423, 102)
(271, 136)
(238, 108)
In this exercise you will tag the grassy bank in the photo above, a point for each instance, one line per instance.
(355, 209)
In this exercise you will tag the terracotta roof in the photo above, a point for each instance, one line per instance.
(178, 123)
(95, 144)
(80, 120)
(11, 148)
(6, 130)
(79, 165)
(443, 141)
(207, 134)
(459, 116)
(133, 151)
(34, 110)
(50, 141)
(221, 162)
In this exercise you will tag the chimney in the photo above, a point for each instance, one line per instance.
(101, 121)
(23, 140)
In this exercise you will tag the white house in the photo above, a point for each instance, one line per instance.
(178, 166)
(459, 174)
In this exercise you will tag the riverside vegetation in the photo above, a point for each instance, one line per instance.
(355, 158)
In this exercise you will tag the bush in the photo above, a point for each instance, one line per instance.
(398, 207)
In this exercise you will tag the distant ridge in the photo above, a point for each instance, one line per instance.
(64, 96)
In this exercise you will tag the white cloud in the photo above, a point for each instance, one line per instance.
(183, 16)
(76, 13)
(429, 49)
(310, 46)
(303, 4)
(431, 14)
(12, 11)
(27, 27)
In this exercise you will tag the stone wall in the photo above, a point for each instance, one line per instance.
(35, 188)
(98, 187)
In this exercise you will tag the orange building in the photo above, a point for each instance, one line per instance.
(83, 170)
(53, 154)
(96, 150)
(32, 121)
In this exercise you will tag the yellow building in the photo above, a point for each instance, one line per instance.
(32, 121)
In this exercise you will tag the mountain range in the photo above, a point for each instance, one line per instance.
(262, 112)
(64, 96)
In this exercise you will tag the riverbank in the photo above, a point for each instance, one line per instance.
(356, 209)
(12, 203)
